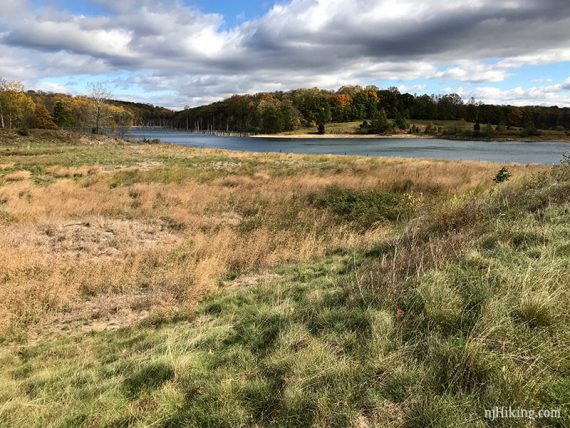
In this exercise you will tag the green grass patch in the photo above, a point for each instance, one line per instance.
(363, 208)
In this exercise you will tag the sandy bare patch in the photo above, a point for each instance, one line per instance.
(228, 218)
(250, 280)
(89, 238)
(98, 140)
(5, 166)
(103, 313)
(318, 136)
(70, 172)
(18, 176)
(386, 414)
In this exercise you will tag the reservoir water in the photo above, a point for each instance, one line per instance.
(545, 152)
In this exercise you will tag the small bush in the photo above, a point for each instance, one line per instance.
(503, 175)
(150, 140)
(530, 131)
(24, 132)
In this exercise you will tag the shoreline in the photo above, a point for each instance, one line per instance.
(403, 137)
(348, 136)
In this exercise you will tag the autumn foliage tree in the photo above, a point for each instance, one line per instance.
(16, 107)
(43, 118)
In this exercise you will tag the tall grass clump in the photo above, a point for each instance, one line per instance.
(362, 208)
(482, 294)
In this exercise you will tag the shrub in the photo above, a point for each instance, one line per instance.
(150, 140)
(503, 175)
(530, 131)
(401, 122)
(381, 123)
(321, 129)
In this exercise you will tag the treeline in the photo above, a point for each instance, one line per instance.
(285, 111)
(20, 109)
(380, 110)
(77, 112)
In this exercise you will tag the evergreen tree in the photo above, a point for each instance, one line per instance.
(381, 124)
(62, 115)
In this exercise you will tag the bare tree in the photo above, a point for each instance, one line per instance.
(99, 94)
(3, 86)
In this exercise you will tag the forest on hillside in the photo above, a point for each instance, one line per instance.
(380, 110)
(286, 111)
(21, 109)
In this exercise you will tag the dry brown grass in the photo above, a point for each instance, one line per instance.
(61, 172)
(69, 243)
(18, 176)
(5, 166)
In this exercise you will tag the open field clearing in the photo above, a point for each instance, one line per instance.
(448, 129)
(152, 284)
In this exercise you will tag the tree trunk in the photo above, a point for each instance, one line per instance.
(97, 120)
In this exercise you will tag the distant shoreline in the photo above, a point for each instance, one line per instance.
(284, 136)
(355, 136)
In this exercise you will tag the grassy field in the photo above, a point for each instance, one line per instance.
(450, 129)
(157, 285)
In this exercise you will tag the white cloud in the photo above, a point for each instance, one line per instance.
(412, 89)
(519, 96)
(52, 87)
(167, 46)
(473, 71)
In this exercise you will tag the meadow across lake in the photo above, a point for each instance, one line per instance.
(544, 152)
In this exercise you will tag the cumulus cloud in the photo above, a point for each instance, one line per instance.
(168, 46)
(519, 96)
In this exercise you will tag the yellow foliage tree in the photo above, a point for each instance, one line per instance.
(16, 108)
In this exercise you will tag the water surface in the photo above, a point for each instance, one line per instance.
(545, 152)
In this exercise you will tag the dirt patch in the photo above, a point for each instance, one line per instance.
(386, 414)
(227, 218)
(103, 313)
(89, 238)
(250, 280)
(5, 166)
(98, 140)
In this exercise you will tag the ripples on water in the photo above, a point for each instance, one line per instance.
(546, 152)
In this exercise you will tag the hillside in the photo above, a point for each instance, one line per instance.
(444, 129)
(74, 112)
(153, 284)
(350, 110)
(371, 110)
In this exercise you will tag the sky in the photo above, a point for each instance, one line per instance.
(178, 53)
